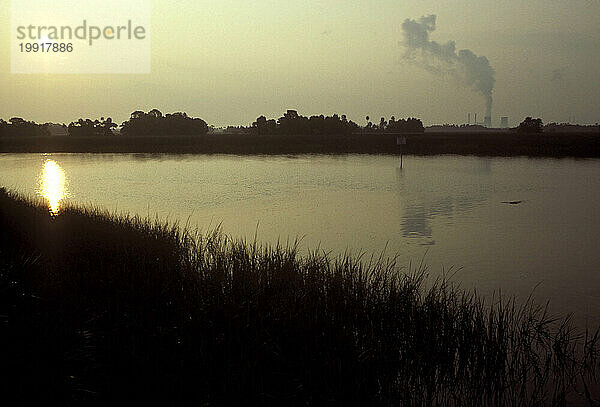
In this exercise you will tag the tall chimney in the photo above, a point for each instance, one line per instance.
(488, 121)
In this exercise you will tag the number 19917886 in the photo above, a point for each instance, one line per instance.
(46, 47)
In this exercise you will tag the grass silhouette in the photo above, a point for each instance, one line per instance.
(97, 308)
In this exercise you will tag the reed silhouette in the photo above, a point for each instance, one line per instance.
(98, 309)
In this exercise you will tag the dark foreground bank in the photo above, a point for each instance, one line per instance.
(490, 143)
(101, 310)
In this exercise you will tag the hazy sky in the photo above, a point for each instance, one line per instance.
(228, 61)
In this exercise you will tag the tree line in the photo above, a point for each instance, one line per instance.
(139, 124)
(293, 123)
(87, 127)
(154, 122)
(17, 126)
(410, 125)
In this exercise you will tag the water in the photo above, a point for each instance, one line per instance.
(449, 209)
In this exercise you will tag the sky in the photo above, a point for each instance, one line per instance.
(230, 61)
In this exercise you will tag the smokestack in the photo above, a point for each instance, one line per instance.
(469, 118)
(488, 115)
(488, 121)
(475, 118)
(464, 66)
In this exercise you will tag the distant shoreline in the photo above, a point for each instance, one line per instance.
(491, 143)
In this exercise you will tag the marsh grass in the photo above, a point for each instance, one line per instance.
(97, 308)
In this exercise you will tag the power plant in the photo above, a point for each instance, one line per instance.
(487, 121)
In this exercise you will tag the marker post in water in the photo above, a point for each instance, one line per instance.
(400, 141)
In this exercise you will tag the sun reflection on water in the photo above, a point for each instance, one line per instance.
(52, 186)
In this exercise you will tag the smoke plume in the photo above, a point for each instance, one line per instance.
(464, 65)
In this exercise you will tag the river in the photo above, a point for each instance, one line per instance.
(504, 225)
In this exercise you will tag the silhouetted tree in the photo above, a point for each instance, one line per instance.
(382, 124)
(293, 123)
(530, 125)
(87, 127)
(19, 127)
(108, 125)
(155, 113)
(55, 129)
(154, 123)
(138, 114)
(263, 126)
(410, 125)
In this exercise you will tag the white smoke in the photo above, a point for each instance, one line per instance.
(465, 66)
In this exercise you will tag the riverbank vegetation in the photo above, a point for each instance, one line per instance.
(488, 144)
(100, 309)
(155, 123)
(292, 133)
(293, 123)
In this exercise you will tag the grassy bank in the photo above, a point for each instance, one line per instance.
(99, 309)
(500, 143)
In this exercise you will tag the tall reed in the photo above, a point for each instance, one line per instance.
(98, 308)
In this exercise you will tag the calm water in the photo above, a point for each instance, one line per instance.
(449, 208)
